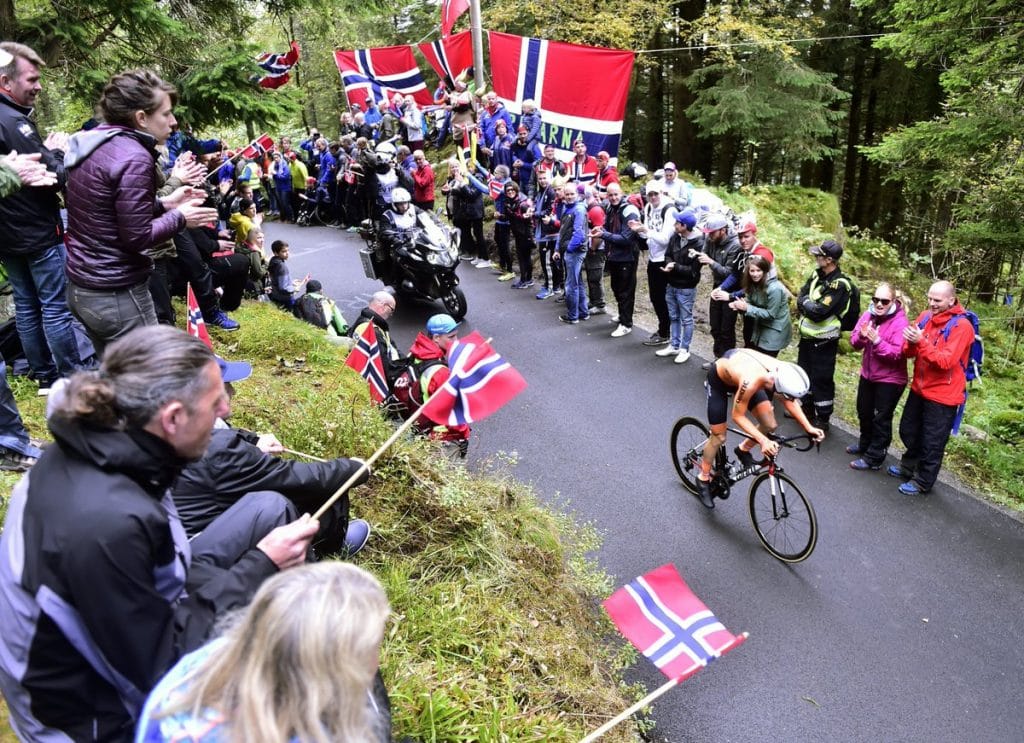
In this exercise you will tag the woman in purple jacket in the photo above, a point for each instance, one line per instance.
(883, 374)
(114, 215)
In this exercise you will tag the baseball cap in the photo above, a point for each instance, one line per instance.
(654, 186)
(829, 248)
(747, 226)
(715, 222)
(687, 217)
(234, 371)
(441, 324)
(669, 166)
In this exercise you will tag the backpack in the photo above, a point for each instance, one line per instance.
(976, 356)
(311, 309)
(848, 320)
(407, 388)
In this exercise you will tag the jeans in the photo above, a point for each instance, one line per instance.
(109, 314)
(680, 313)
(575, 291)
(594, 266)
(284, 203)
(41, 312)
(13, 435)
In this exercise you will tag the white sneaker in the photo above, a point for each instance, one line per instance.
(481, 263)
(666, 351)
(621, 331)
(682, 357)
(614, 318)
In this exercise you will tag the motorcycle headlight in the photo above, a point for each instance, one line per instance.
(437, 258)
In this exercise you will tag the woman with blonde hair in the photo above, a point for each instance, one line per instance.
(299, 664)
(878, 334)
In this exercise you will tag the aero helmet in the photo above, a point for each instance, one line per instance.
(790, 380)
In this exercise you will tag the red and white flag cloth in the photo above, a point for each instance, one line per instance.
(365, 358)
(449, 57)
(480, 382)
(664, 620)
(450, 12)
(259, 146)
(277, 67)
(581, 91)
(381, 72)
(196, 324)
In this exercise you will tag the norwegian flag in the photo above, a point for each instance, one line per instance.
(450, 57)
(381, 72)
(365, 358)
(277, 66)
(666, 622)
(479, 383)
(450, 12)
(581, 91)
(259, 146)
(196, 324)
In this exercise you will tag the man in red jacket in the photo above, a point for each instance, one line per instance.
(939, 342)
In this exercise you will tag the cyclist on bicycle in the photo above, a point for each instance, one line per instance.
(752, 377)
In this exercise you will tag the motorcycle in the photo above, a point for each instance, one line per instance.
(425, 268)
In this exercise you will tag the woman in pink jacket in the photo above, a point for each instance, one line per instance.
(883, 374)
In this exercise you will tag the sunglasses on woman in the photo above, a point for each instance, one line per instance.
(883, 302)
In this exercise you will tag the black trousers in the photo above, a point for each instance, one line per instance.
(524, 253)
(657, 283)
(502, 237)
(818, 359)
(160, 290)
(623, 280)
(924, 429)
(472, 237)
(722, 320)
(876, 403)
(593, 266)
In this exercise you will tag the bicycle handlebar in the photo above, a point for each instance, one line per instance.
(787, 441)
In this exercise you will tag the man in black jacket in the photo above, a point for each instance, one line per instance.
(32, 249)
(724, 254)
(100, 590)
(238, 462)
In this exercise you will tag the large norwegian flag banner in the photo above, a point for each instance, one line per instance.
(664, 620)
(365, 358)
(450, 12)
(277, 67)
(449, 57)
(479, 383)
(580, 91)
(381, 72)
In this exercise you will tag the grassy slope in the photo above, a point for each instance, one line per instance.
(494, 634)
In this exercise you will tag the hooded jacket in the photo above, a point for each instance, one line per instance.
(883, 361)
(939, 362)
(29, 219)
(93, 563)
(114, 216)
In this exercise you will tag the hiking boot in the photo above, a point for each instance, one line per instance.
(745, 457)
(860, 464)
(12, 461)
(897, 471)
(912, 488)
(704, 493)
(356, 537)
(222, 321)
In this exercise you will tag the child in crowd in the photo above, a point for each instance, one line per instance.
(317, 309)
(283, 291)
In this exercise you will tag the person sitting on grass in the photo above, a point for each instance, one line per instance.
(283, 291)
(320, 310)
(252, 248)
(244, 219)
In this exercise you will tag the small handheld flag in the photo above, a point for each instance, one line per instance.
(196, 324)
(480, 383)
(277, 66)
(365, 358)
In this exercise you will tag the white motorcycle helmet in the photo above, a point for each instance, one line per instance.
(400, 198)
(386, 154)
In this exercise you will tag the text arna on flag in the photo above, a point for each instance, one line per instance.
(581, 91)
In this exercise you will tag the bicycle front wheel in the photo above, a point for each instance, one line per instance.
(783, 518)
(687, 444)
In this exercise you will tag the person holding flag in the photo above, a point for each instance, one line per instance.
(376, 313)
(428, 372)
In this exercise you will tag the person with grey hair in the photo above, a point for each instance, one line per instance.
(100, 590)
(32, 250)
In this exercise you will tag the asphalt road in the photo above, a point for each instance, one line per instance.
(904, 625)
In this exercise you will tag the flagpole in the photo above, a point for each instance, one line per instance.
(286, 450)
(738, 640)
(476, 33)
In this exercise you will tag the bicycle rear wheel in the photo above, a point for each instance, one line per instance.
(782, 517)
(687, 444)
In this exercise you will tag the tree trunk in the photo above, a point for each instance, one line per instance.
(858, 212)
(846, 207)
(8, 21)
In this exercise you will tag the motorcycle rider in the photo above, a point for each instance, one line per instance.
(384, 178)
(398, 225)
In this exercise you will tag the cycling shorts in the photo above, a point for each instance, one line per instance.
(718, 397)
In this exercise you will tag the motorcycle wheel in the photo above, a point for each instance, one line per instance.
(455, 302)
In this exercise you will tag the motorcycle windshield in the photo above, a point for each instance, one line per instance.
(436, 235)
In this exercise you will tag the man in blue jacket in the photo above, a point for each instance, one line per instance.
(572, 249)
